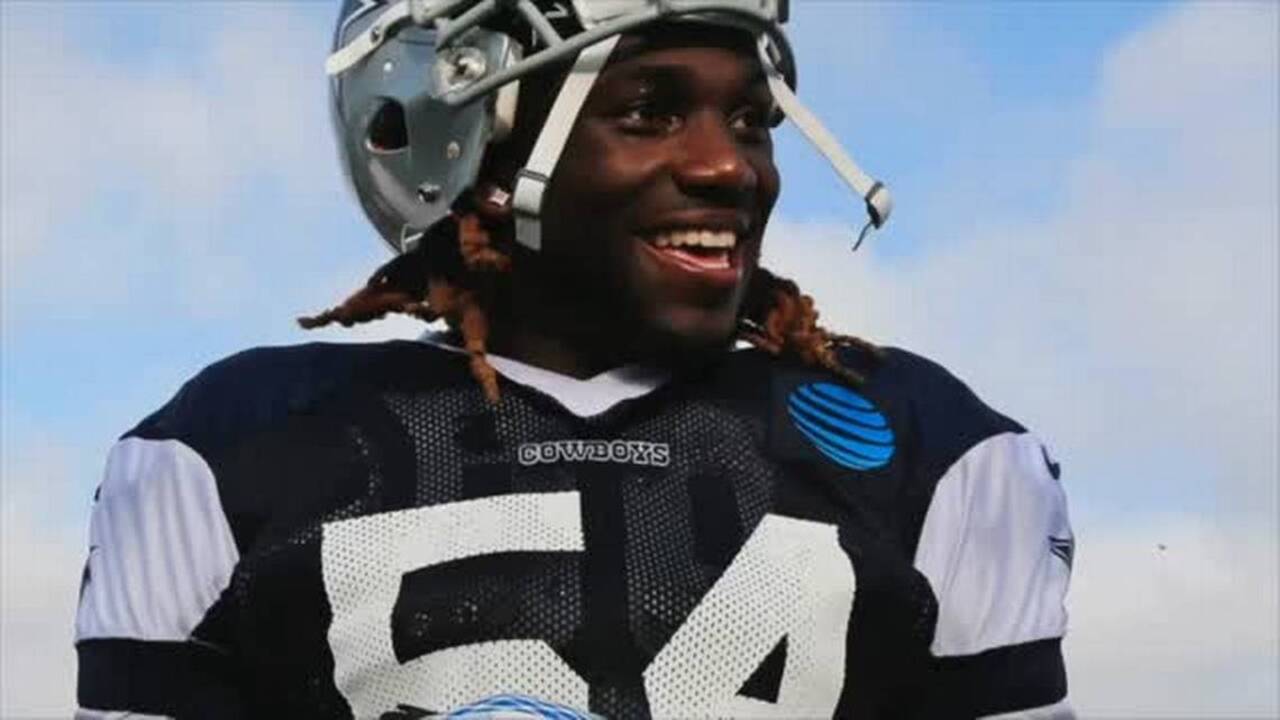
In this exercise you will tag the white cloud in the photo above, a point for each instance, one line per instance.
(1136, 326)
(38, 588)
(392, 327)
(1174, 617)
(118, 173)
(1201, 68)
(162, 150)
(41, 556)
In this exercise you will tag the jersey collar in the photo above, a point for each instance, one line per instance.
(583, 398)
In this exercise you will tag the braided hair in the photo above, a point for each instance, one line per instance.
(456, 269)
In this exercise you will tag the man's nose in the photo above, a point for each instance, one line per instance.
(711, 161)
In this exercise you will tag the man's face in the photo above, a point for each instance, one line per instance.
(658, 205)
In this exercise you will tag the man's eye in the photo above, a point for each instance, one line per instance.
(648, 117)
(753, 122)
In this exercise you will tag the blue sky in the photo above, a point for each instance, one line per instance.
(1085, 230)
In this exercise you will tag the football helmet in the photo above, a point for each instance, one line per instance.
(419, 88)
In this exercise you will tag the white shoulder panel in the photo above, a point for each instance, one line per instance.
(996, 548)
(160, 548)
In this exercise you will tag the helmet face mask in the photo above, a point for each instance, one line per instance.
(420, 88)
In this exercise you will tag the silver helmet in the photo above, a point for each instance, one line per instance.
(420, 88)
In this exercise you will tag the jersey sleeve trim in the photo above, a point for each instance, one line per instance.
(1007, 681)
(996, 547)
(171, 679)
(160, 547)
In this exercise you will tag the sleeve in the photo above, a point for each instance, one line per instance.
(997, 547)
(161, 553)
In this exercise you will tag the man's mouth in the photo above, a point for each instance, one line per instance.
(696, 250)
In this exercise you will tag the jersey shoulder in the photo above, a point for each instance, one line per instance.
(906, 405)
(936, 418)
(256, 389)
(992, 536)
(941, 405)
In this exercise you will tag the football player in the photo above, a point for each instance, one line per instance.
(633, 478)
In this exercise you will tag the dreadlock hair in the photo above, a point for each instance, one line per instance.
(783, 321)
(456, 266)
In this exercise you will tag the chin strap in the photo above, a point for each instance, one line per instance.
(363, 45)
(533, 178)
(873, 192)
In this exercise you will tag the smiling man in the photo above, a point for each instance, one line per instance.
(662, 195)
(582, 497)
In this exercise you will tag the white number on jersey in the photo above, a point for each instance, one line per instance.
(790, 580)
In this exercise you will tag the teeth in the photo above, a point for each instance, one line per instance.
(724, 239)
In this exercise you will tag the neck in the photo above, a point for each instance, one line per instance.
(546, 320)
(542, 320)
(526, 342)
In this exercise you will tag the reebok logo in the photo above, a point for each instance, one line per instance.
(626, 452)
(1055, 469)
(1063, 548)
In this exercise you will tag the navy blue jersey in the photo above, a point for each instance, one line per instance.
(353, 531)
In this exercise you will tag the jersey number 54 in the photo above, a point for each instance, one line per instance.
(789, 580)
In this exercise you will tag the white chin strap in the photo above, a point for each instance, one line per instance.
(873, 192)
(533, 179)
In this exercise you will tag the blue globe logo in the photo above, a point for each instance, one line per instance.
(842, 425)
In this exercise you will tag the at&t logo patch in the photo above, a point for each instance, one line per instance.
(842, 425)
